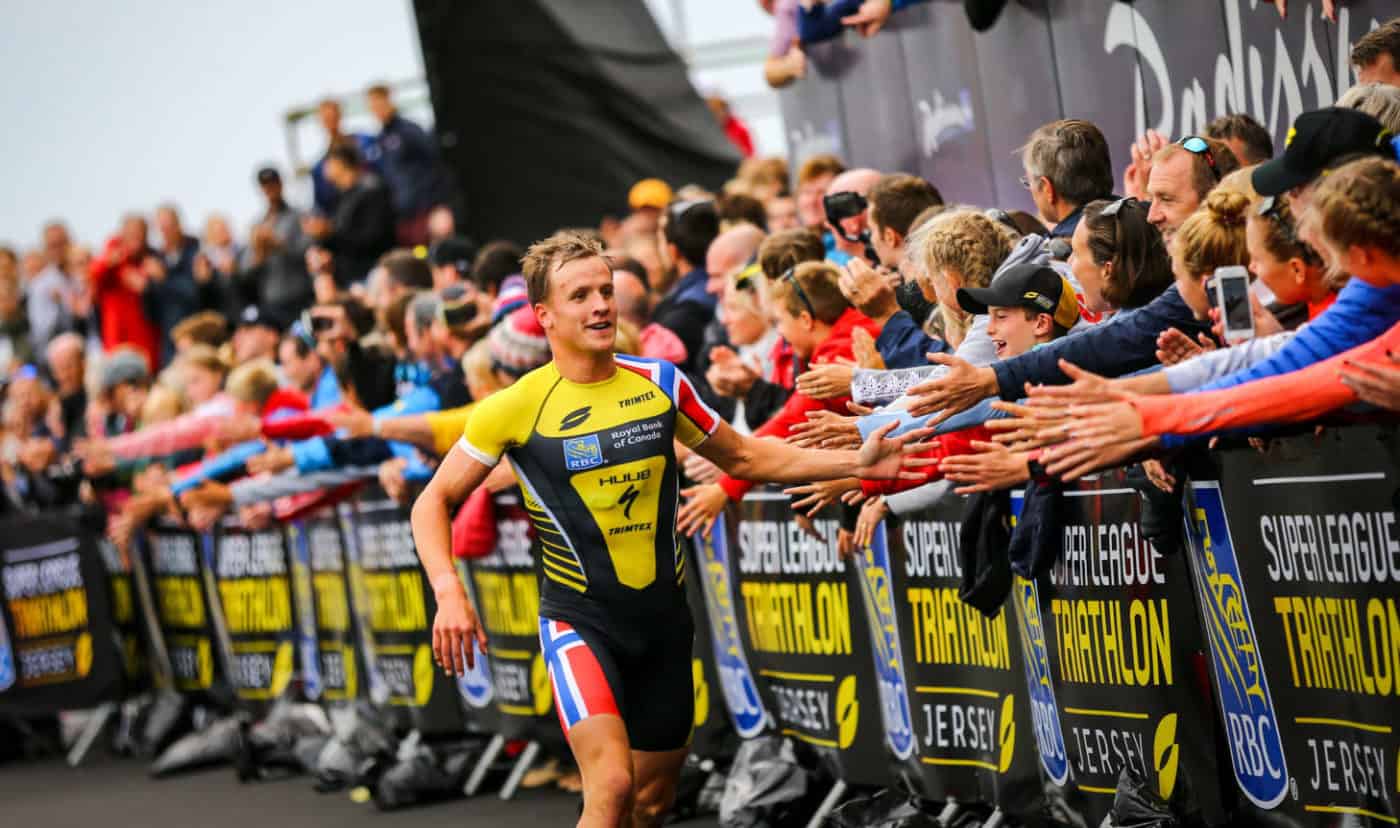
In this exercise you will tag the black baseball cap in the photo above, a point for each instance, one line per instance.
(266, 316)
(455, 251)
(269, 175)
(1316, 141)
(1032, 286)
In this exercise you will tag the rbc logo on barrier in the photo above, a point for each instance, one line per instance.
(740, 690)
(875, 580)
(475, 684)
(1045, 715)
(1251, 726)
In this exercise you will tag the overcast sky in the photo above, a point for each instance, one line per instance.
(113, 106)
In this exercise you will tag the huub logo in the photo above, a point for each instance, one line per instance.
(1251, 726)
(575, 418)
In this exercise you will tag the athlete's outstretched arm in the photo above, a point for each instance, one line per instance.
(456, 626)
(775, 461)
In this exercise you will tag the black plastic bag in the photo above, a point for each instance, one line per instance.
(425, 773)
(1136, 805)
(699, 789)
(213, 744)
(362, 741)
(886, 809)
(269, 747)
(767, 786)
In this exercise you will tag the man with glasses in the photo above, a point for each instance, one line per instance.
(1182, 173)
(1066, 166)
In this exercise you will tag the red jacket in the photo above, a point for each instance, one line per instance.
(836, 346)
(124, 319)
(947, 445)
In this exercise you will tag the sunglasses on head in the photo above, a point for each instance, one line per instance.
(1197, 145)
(790, 276)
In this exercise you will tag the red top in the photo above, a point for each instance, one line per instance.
(123, 316)
(1287, 398)
(836, 346)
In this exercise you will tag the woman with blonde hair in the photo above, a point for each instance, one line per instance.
(961, 248)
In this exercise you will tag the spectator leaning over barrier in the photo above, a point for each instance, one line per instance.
(1118, 258)
(1376, 55)
(1357, 214)
(412, 169)
(1245, 137)
(1066, 166)
(362, 229)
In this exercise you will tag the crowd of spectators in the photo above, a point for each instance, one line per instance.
(271, 375)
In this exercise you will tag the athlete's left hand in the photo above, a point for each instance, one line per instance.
(884, 458)
(703, 505)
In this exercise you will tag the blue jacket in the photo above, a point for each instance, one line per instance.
(410, 162)
(903, 344)
(1125, 343)
(323, 193)
(1361, 313)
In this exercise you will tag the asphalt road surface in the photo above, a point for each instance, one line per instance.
(113, 793)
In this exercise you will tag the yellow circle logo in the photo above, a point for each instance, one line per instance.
(281, 668)
(702, 691)
(1165, 754)
(82, 654)
(1007, 733)
(847, 712)
(423, 675)
(539, 685)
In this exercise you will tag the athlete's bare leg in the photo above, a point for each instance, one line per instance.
(656, 776)
(604, 761)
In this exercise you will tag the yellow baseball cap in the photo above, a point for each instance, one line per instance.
(649, 192)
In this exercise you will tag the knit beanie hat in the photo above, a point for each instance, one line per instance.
(518, 344)
(511, 297)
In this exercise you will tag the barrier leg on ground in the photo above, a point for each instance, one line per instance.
(100, 716)
(949, 812)
(833, 798)
(478, 774)
(527, 758)
(994, 820)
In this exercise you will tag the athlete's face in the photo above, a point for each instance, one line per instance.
(581, 312)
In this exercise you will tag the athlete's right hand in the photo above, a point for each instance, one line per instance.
(456, 629)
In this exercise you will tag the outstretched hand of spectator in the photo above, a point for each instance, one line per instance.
(274, 460)
(1375, 384)
(703, 504)
(828, 380)
(990, 467)
(1329, 9)
(870, 290)
(825, 429)
(870, 18)
(1174, 347)
(1029, 427)
(729, 375)
(813, 497)
(391, 478)
(962, 387)
(355, 422)
(864, 350)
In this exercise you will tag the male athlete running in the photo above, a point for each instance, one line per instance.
(590, 438)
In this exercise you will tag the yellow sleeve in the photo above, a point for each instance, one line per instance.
(688, 432)
(493, 426)
(448, 426)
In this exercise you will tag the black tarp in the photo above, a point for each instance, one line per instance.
(548, 111)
